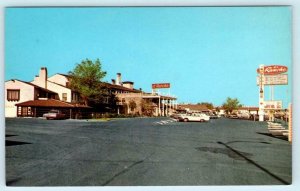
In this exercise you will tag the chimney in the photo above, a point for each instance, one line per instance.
(41, 79)
(118, 80)
(113, 81)
(128, 84)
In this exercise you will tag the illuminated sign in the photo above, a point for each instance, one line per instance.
(272, 104)
(272, 70)
(281, 79)
(160, 85)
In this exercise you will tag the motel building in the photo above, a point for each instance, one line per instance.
(160, 104)
(43, 93)
(242, 111)
(33, 99)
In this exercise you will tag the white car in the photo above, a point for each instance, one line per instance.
(200, 117)
(177, 115)
(54, 114)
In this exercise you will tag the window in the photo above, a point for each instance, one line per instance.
(75, 97)
(64, 97)
(13, 95)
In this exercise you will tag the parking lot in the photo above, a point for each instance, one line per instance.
(144, 151)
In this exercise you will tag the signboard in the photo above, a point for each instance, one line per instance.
(281, 79)
(273, 70)
(272, 104)
(160, 85)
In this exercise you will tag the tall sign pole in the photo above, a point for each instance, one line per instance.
(161, 100)
(261, 93)
(269, 76)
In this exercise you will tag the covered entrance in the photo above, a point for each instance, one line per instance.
(36, 108)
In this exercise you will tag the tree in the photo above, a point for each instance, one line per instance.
(86, 80)
(231, 104)
(147, 107)
(207, 104)
(132, 105)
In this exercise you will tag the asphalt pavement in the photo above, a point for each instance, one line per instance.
(144, 152)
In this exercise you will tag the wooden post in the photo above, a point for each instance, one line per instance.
(159, 109)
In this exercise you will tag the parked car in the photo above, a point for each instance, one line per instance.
(243, 115)
(54, 114)
(177, 115)
(200, 117)
(255, 117)
(233, 116)
(213, 116)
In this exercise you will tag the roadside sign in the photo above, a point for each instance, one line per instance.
(272, 104)
(160, 85)
(272, 70)
(281, 79)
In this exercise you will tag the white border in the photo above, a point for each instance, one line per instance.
(296, 29)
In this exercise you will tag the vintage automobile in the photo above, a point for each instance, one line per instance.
(177, 115)
(54, 114)
(243, 115)
(213, 116)
(233, 116)
(200, 117)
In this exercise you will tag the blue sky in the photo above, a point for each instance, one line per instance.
(206, 53)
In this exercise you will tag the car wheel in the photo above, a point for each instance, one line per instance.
(185, 120)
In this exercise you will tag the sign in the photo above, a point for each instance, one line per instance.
(281, 79)
(161, 85)
(272, 104)
(272, 70)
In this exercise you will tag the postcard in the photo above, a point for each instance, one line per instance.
(148, 96)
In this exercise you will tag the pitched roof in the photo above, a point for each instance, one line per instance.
(50, 103)
(66, 75)
(38, 87)
(117, 87)
(193, 107)
(58, 84)
(251, 108)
